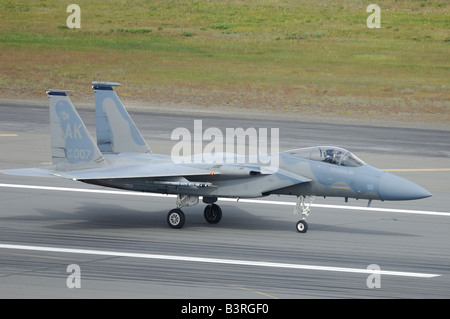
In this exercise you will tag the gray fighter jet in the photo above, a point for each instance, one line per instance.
(122, 159)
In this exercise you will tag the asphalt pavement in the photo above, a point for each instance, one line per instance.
(124, 248)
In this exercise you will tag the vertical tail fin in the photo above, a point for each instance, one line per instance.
(72, 146)
(116, 131)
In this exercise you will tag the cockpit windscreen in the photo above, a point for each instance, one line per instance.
(329, 154)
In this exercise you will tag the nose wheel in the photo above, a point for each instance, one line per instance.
(302, 226)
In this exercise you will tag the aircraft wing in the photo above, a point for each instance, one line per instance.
(175, 170)
(135, 171)
(170, 175)
(227, 178)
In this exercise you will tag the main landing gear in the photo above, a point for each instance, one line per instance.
(212, 212)
(176, 218)
(303, 207)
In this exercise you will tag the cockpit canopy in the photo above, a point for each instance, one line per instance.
(328, 154)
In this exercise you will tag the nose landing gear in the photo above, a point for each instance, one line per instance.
(304, 208)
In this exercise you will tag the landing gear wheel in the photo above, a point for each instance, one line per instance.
(302, 226)
(175, 218)
(213, 213)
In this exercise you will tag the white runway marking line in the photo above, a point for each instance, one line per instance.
(215, 261)
(242, 200)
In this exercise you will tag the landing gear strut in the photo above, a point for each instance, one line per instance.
(303, 207)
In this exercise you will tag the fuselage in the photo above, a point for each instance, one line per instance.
(323, 171)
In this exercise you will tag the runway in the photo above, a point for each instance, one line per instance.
(124, 248)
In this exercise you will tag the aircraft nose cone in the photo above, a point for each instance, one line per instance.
(396, 188)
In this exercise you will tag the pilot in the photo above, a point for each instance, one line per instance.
(337, 157)
(332, 156)
(329, 154)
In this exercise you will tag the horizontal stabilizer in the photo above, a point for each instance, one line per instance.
(36, 172)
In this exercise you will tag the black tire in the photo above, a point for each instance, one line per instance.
(212, 213)
(302, 226)
(175, 218)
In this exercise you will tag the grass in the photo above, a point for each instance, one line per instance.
(301, 57)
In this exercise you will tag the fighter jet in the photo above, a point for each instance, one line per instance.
(122, 159)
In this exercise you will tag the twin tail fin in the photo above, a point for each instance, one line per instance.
(72, 146)
(116, 131)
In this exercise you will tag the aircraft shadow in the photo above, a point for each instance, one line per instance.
(107, 216)
(91, 216)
